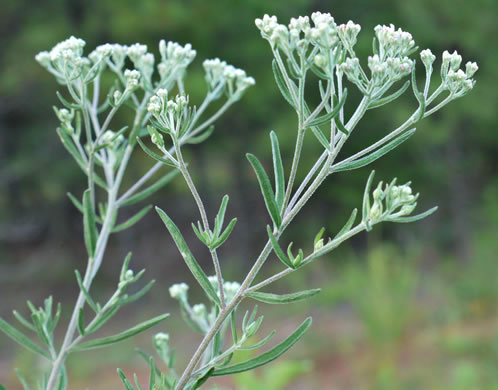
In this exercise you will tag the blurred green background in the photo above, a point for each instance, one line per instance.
(408, 307)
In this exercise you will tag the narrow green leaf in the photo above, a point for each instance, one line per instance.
(203, 379)
(132, 221)
(22, 339)
(200, 234)
(151, 189)
(189, 258)
(366, 197)
(126, 382)
(233, 324)
(144, 290)
(413, 218)
(332, 114)
(102, 319)
(202, 137)
(89, 225)
(419, 96)
(22, 379)
(390, 98)
(154, 155)
(283, 298)
(278, 170)
(348, 224)
(79, 206)
(69, 145)
(279, 78)
(85, 292)
(266, 190)
(81, 322)
(340, 126)
(226, 233)
(102, 342)
(375, 154)
(220, 217)
(259, 344)
(278, 250)
(269, 356)
(66, 102)
(317, 132)
(23, 321)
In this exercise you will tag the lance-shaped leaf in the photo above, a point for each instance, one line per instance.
(189, 258)
(259, 344)
(278, 170)
(340, 126)
(278, 250)
(366, 197)
(151, 189)
(22, 339)
(390, 98)
(269, 356)
(279, 78)
(133, 220)
(126, 382)
(85, 292)
(201, 137)
(375, 154)
(102, 342)
(282, 298)
(203, 379)
(224, 236)
(266, 190)
(419, 95)
(348, 224)
(89, 225)
(412, 218)
(332, 114)
(79, 206)
(154, 155)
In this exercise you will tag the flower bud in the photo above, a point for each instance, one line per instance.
(179, 291)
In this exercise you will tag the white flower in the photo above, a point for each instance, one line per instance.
(132, 78)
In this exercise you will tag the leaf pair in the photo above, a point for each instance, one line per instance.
(274, 201)
(214, 239)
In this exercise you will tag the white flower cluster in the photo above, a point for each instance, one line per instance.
(390, 70)
(299, 33)
(391, 202)
(65, 60)
(220, 76)
(169, 113)
(174, 58)
(348, 34)
(392, 42)
(179, 291)
(455, 79)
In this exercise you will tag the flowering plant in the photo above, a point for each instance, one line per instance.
(163, 112)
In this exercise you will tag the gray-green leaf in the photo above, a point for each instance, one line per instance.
(189, 258)
(283, 298)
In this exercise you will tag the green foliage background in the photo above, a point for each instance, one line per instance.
(452, 159)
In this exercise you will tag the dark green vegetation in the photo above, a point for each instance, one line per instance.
(420, 316)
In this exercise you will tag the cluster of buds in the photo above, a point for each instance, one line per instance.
(391, 202)
(142, 60)
(393, 43)
(223, 77)
(348, 34)
(455, 79)
(65, 60)
(390, 70)
(171, 115)
(175, 58)
(324, 33)
(66, 117)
